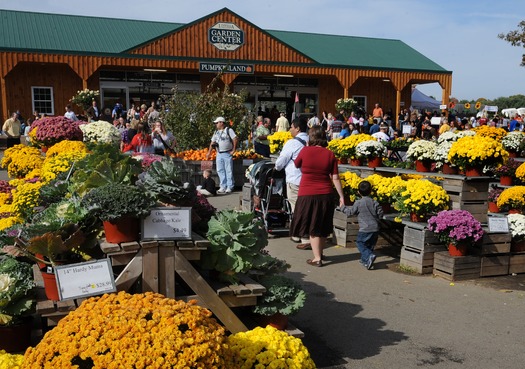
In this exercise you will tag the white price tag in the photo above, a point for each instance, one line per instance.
(498, 225)
(167, 223)
(85, 279)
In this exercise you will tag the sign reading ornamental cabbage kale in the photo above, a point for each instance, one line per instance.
(226, 36)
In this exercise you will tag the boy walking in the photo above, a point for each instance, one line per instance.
(368, 213)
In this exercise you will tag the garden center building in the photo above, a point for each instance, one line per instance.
(46, 58)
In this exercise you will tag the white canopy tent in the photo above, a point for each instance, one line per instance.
(421, 101)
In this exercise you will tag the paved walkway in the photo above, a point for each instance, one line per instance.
(355, 318)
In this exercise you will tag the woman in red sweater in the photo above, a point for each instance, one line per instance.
(314, 209)
(141, 142)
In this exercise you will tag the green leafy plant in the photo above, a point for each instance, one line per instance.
(237, 239)
(16, 290)
(163, 178)
(283, 295)
(114, 201)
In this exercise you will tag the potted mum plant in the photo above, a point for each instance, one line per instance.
(420, 198)
(277, 141)
(100, 132)
(119, 207)
(512, 199)
(48, 131)
(283, 297)
(477, 154)
(441, 157)
(17, 303)
(373, 151)
(513, 142)
(84, 98)
(423, 153)
(517, 230)
(507, 172)
(458, 229)
(494, 192)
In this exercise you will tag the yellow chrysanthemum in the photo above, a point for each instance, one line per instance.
(492, 132)
(25, 198)
(277, 141)
(66, 146)
(422, 197)
(59, 163)
(350, 182)
(520, 172)
(477, 151)
(512, 198)
(345, 148)
(20, 160)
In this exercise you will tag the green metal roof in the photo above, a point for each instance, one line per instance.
(82, 34)
(357, 52)
(41, 31)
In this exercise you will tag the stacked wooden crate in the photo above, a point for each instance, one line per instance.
(456, 268)
(346, 228)
(469, 194)
(517, 262)
(419, 246)
(494, 251)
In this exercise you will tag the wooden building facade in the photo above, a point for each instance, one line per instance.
(274, 66)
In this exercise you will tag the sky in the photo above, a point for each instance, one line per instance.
(460, 35)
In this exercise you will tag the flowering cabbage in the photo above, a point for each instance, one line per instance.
(456, 227)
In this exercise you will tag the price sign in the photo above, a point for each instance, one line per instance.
(167, 223)
(85, 279)
(498, 225)
(407, 129)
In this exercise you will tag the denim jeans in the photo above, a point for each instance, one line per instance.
(366, 242)
(224, 164)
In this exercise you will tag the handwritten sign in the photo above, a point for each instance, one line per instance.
(85, 279)
(167, 223)
(407, 129)
(498, 225)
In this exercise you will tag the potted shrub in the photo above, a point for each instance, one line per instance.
(283, 297)
(373, 151)
(494, 192)
(458, 229)
(17, 302)
(517, 229)
(512, 199)
(507, 172)
(420, 198)
(423, 153)
(120, 207)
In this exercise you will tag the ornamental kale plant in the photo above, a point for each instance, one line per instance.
(16, 287)
(456, 227)
(51, 130)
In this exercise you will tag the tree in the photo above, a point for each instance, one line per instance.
(516, 38)
(190, 115)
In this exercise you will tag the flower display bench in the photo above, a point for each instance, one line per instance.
(346, 228)
(419, 246)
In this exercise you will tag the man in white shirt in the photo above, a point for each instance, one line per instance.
(286, 161)
(70, 114)
(382, 134)
(314, 121)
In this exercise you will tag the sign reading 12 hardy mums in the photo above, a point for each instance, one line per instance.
(226, 36)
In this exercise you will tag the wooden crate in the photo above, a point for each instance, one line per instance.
(456, 268)
(417, 259)
(517, 263)
(478, 209)
(420, 238)
(495, 265)
(460, 185)
(247, 192)
(494, 243)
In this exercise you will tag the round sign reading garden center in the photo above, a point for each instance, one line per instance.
(226, 36)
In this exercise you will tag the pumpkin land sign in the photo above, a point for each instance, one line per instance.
(226, 36)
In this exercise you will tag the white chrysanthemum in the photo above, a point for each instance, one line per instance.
(100, 132)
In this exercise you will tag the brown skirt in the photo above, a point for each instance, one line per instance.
(313, 216)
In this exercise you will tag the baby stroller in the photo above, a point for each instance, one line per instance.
(269, 197)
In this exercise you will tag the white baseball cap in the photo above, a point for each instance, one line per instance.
(219, 119)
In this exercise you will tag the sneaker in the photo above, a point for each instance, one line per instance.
(228, 190)
(370, 262)
(362, 263)
(221, 190)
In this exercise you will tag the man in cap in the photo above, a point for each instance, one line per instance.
(224, 141)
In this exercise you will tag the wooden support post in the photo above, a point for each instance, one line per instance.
(167, 268)
(210, 298)
(150, 267)
(130, 274)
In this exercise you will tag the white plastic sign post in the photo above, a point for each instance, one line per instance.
(407, 129)
(85, 279)
(167, 223)
(498, 225)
